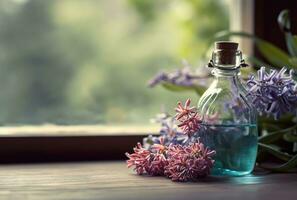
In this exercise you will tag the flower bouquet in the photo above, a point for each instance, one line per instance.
(179, 154)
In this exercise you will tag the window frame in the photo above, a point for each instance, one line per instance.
(65, 148)
(54, 143)
(21, 146)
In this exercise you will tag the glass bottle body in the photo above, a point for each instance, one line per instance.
(229, 124)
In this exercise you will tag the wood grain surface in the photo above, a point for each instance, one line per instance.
(112, 180)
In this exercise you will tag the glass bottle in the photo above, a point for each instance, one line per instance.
(229, 121)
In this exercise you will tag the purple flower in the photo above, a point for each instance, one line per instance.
(273, 93)
(188, 163)
(168, 126)
(150, 140)
(182, 77)
(169, 132)
(160, 77)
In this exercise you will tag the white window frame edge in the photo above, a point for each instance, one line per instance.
(242, 19)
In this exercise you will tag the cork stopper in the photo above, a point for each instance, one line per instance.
(226, 45)
(226, 52)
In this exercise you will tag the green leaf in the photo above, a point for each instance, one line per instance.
(291, 43)
(293, 61)
(285, 25)
(284, 120)
(283, 20)
(200, 90)
(287, 167)
(271, 137)
(259, 63)
(272, 53)
(271, 127)
(178, 88)
(276, 135)
(290, 137)
(295, 39)
(273, 151)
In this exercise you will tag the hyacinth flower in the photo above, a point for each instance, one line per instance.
(189, 123)
(189, 163)
(151, 161)
(188, 117)
(168, 132)
(184, 77)
(273, 93)
(177, 162)
(139, 159)
(157, 160)
(165, 156)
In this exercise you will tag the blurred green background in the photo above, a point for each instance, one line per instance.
(88, 61)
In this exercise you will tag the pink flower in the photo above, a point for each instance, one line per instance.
(178, 162)
(145, 161)
(159, 148)
(158, 160)
(139, 159)
(184, 111)
(188, 118)
(189, 163)
(156, 164)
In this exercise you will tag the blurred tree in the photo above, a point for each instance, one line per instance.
(75, 62)
(33, 71)
(198, 21)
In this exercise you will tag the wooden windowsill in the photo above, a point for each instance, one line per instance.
(112, 180)
(51, 143)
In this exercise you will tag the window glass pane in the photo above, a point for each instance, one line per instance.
(88, 62)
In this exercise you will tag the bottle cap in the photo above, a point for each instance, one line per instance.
(225, 52)
(226, 45)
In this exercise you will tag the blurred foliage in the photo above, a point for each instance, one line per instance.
(75, 62)
(276, 57)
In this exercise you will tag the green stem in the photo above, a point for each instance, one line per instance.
(287, 167)
(276, 135)
(278, 154)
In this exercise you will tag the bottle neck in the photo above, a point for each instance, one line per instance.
(228, 78)
(226, 62)
(226, 73)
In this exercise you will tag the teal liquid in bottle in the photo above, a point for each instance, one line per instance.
(229, 122)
